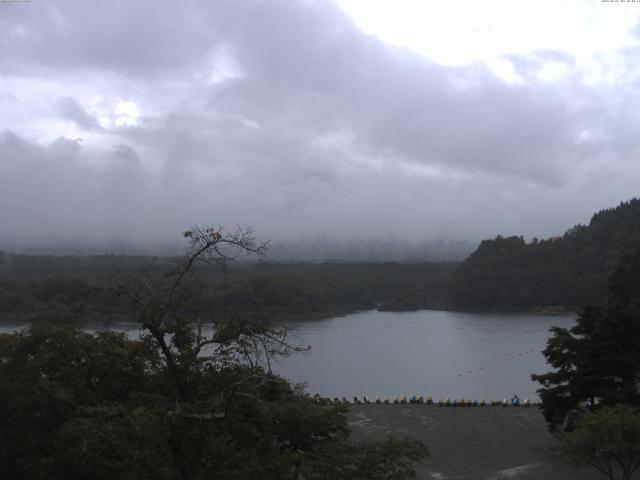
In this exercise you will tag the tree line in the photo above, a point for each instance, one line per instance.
(31, 286)
(570, 271)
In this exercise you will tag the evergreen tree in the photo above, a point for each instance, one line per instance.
(597, 361)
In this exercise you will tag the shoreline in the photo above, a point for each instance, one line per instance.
(92, 317)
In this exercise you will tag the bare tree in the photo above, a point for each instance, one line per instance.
(163, 299)
(252, 340)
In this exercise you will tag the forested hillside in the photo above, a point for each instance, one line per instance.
(31, 285)
(571, 270)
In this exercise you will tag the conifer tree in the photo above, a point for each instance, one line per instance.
(597, 361)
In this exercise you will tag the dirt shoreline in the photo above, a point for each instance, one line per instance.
(469, 443)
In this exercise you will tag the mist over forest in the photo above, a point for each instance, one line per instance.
(317, 250)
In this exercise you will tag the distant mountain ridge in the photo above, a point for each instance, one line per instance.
(569, 271)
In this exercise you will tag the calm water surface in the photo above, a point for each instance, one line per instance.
(443, 354)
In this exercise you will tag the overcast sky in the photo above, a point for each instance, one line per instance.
(358, 119)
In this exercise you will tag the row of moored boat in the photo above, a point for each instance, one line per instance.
(447, 402)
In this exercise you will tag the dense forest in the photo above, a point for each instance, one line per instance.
(506, 272)
(568, 271)
(31, 285)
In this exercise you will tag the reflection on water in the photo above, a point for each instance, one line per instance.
(443, 354)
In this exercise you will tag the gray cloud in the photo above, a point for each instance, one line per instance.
(283, 115)
(72, 110)
(144, 38)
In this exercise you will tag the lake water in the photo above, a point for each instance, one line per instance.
(442, 354)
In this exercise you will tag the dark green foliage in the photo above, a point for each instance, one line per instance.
(75, 405)
(607, 440)
(51, 372)
(597, 361)
(175, 404)
(32, 286)
(571, 270)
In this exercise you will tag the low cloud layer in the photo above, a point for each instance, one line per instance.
(134, 120)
